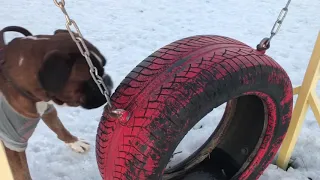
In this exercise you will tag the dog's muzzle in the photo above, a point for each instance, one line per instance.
(93, 96)
(108, 82)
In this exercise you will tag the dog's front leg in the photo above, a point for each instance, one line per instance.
(18, 164)
(52, 120)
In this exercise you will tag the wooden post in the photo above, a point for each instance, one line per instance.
(306, 97)
(5, 171)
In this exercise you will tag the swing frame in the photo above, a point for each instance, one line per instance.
(6, 172)
(307, 96)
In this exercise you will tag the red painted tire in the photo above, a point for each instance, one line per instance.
(175, 87)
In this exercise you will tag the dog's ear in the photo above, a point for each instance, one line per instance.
(94, 52)
(58, 31)
(55, 71)
(97, 56)
(64, 31)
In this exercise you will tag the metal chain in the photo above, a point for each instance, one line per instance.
(265, 43)
(84, 50)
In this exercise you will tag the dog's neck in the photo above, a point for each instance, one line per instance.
(23, 104)
(7, 79)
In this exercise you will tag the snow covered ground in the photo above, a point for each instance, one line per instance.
(128, 31)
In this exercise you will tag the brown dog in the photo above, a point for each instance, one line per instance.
(34, 71)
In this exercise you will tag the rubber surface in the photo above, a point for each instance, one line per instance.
(174, 88)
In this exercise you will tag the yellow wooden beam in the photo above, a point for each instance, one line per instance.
(296, 90)
(300, 109)
(314, 104)
(5, 171)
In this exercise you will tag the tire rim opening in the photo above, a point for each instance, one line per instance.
(228, 143)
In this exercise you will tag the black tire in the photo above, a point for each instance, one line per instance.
(174, 88)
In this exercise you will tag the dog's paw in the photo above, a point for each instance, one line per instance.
(79, 146)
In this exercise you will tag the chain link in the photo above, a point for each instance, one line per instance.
(265, 43)
(84, 50)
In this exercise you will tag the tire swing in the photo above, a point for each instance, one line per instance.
(171, 90)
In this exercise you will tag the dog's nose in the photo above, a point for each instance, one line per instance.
(108, 82)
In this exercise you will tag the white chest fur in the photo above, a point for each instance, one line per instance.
(42, 107)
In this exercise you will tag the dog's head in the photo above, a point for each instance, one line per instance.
(51, 67)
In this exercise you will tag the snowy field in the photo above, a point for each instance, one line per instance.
(128, 31)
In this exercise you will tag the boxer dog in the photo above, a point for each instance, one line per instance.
(37, 72)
